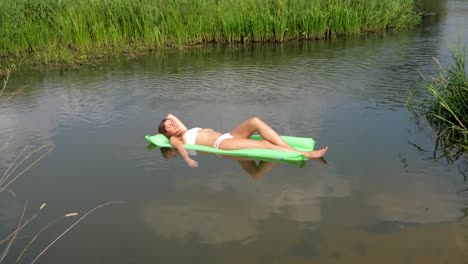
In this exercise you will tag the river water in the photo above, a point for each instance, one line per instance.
(381, 197)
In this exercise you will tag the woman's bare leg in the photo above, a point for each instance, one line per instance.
(255, 124)
(243, 143)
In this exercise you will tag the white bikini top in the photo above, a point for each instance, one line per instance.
(190, 135)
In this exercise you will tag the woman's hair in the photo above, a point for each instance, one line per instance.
(162, 126)
(165, 151)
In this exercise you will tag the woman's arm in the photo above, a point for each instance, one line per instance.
(178, 144)
(177, 121)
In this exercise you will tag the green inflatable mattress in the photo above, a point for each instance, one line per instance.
(299, 143)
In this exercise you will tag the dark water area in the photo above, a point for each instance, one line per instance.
(380, 198)
(433, 7)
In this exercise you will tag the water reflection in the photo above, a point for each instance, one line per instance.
(422, 199)
(254, 167)
(378, 200)
(217, 209)
(433, 7)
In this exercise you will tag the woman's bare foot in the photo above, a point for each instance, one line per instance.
(316, 153)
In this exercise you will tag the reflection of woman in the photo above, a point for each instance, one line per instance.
(253, 168)
(238, 138)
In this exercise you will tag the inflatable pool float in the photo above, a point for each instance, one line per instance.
(299, 143)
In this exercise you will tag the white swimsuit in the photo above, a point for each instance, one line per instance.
(190, 135)
(221, 138)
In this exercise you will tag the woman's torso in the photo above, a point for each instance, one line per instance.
(204, 136)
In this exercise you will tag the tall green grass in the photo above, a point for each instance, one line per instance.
(446, 102)
(66, 30)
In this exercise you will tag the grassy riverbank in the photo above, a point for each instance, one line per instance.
(70, 31)
(446, 103)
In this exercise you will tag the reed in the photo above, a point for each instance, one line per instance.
(23, 162)
(7, 242)
(18, 167)
(446, 102)
(77, 30)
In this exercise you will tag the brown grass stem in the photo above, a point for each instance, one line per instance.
(5, 81)
(73, 225)
(13, 235)
(4, 176)
(26, 169)
(10, 191)
(6, 144)
(44, 228)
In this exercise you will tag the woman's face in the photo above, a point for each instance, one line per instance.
(171, 128)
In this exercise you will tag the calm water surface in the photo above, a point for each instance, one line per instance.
(381, 198)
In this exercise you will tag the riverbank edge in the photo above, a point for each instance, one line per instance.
(77, 59)
(180, 25)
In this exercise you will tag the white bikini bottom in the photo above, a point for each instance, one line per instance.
(221, 138)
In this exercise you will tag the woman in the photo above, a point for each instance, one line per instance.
(238, 138)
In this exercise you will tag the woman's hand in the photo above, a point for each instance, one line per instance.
(192, 163)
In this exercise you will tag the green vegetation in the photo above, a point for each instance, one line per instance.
(71, 31)
(446, 105)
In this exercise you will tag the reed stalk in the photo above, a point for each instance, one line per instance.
(11, 238)
(12, 173)
(445, 103)
(71, 226)
(25, 249)
(9, 177)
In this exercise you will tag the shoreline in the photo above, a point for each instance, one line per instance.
(85, 32)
